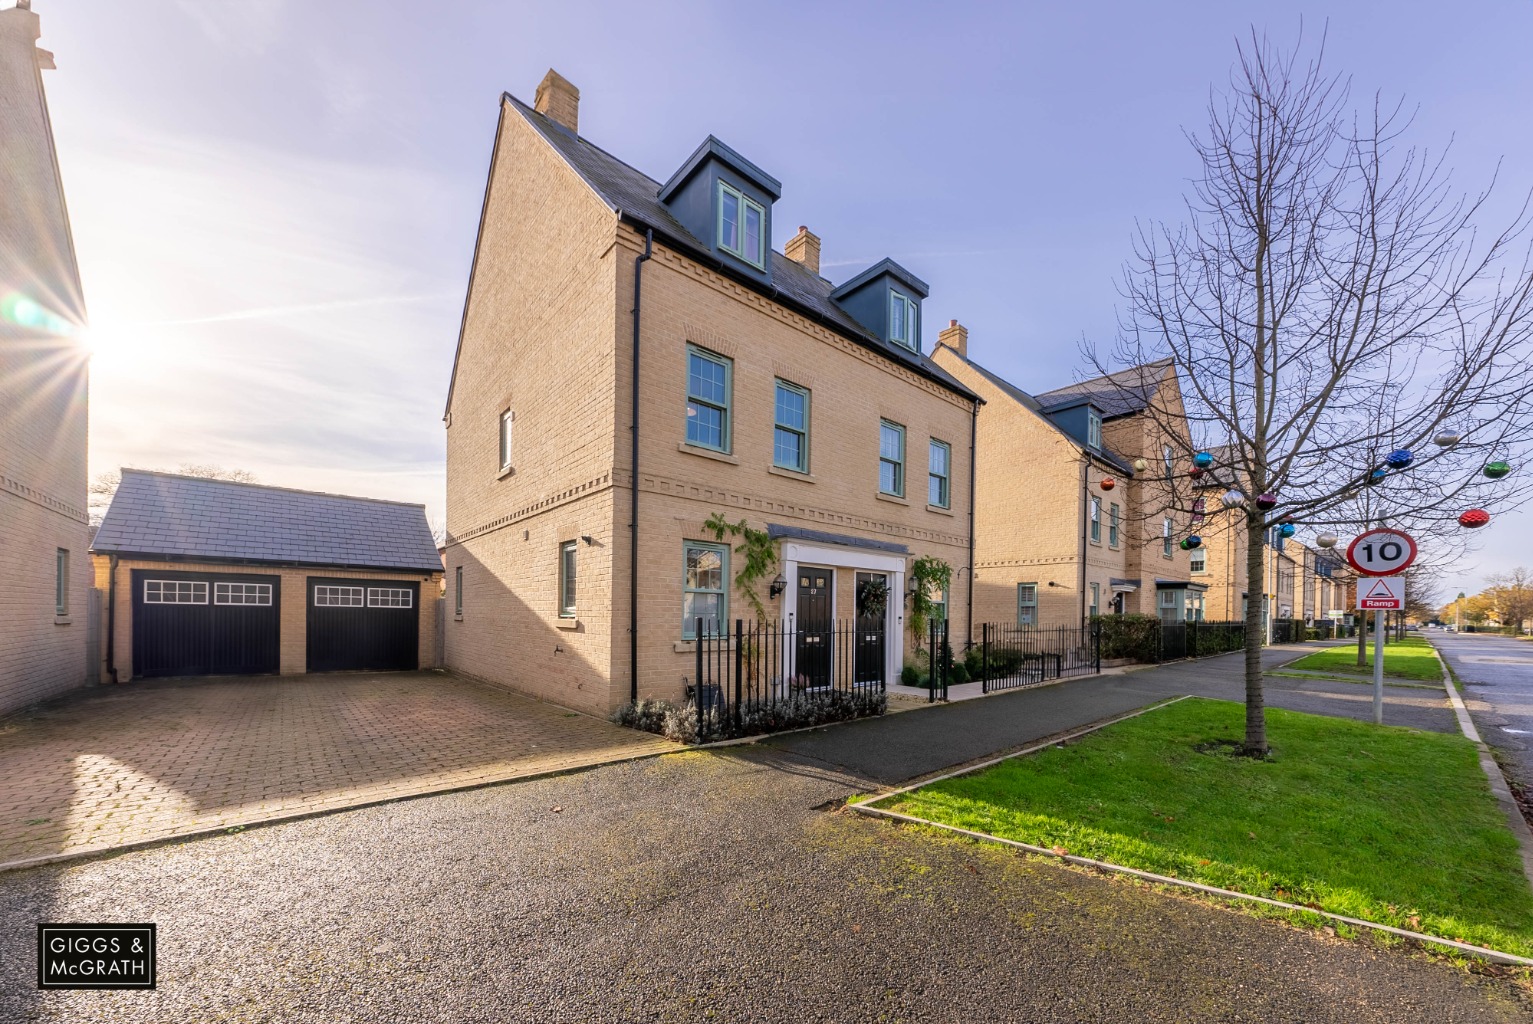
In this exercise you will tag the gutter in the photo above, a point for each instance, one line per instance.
(111, 617)
(633, 487)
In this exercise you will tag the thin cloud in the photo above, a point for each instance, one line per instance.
(277, 312)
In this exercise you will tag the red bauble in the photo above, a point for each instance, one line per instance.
(1108, 483)
(1474, 518)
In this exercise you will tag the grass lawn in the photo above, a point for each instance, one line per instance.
(1387, 824)
(1411, 658)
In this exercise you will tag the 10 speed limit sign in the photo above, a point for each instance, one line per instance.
(1381, 552)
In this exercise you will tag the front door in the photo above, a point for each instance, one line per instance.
(813, 646)
(872, 614)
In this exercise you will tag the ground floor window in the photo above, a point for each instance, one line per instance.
(704, 588)
(1170, 603)
(1027, 604)
(567, 580)
(61, 583)
(1096, 599)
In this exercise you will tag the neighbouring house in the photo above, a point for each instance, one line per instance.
(635, 357)
(44, 573)
(213, 577)
(1066, 526)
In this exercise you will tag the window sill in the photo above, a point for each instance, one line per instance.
(570, 625)
(707, 453)
(62, 620)
(508, 471)
(458, 617)
(939, 510)
(893, 498)
(791, 474)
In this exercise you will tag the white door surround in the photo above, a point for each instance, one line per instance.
(848, 557)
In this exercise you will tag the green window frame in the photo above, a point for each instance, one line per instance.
(1166, 528)
(939, 474)
(891, 459)
(1113, 514)
(742, 226)
(1093, 429)
(704, 587)
(61, 582)
(1096, 520)
(567, 580)
(1027, 604)
(904, 321)
(1096, 599)
(710, 399)
(790, 438)
(457, 591)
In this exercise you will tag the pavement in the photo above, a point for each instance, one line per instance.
(894, 749)
(710, 885)
(116, 766)
(1497, 673)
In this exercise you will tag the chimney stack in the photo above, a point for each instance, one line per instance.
(559, 101)
(956, 337)
(804, 248)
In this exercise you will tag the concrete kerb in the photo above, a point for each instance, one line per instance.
(866, 808)
(1492, 770)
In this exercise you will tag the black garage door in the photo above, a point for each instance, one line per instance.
(363, 624)
(197, 624)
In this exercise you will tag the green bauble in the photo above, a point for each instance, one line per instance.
(1497, 470)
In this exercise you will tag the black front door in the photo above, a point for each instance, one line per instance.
(872, 610)
(813, 646)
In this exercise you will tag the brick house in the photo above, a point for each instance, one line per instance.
(764, 392)
(214, 577)
(44, 571)
(1065, 525)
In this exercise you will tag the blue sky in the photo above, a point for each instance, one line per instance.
(275, 201)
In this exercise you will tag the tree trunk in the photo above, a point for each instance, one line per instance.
(1256, 587)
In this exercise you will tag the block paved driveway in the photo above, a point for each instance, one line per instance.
(118, 765)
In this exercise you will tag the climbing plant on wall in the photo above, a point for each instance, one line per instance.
(756, 559)
(927, 574)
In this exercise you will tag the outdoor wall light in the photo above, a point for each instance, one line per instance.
(776, 587)
(588, 538)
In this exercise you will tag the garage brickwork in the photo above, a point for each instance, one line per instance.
(294, 609)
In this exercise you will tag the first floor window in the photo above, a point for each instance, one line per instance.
(790, 444)
(567, 580)
(1199, 561)
(457, 590)
(1027, 604)
(708, 400)
(1096, 520)
(1165, 536)
(505, 439)
(61, 582)
(938, 492)
(1113, 514)
(891, 458)
(703, 588)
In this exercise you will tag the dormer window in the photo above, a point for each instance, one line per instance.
(741, 226)
(904, 328)
(1093, 429)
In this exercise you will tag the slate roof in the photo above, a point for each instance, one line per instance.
(174, 516)
(1116, 394)
(636, 195)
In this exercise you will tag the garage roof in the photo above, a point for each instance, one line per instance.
(182, 517)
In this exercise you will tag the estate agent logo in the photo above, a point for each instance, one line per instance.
(95, 955)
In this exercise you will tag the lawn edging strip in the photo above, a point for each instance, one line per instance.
(866, 808)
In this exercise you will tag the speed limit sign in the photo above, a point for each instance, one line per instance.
(1381, 552)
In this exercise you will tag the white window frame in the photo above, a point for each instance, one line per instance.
(195, 592)
(898, 464)
(911, 320)
(944, 479)
(257, 595)
(1170, 457)
(758, 259)
(689, 626)
(1197, 562)
(390, 597)
(507, 419)
(327, 595)
(1027, 598)
(61, 582)
(569, 577)
(726, 411)
(778, 424)
(1166, 529)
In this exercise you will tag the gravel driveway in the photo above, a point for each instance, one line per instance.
(704, 885)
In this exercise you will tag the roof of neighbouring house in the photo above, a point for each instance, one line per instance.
(1116, 394)
(188, 517)
(635, 194)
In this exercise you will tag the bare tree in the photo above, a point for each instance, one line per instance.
(1511, 596)
(104, 486)
(1327, 303)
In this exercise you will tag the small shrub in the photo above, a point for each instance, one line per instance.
(683, 724)
(910, 675)
(957, 674)
(974, 662)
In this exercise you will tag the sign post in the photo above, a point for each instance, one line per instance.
(1378, 555)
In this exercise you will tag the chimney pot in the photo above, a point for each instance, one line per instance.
(559, 101)
(804, 248)
(956, 337)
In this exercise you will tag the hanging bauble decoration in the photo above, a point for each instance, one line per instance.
(1446, 439)
(1232, 498)
(1195, 473)
(1108, 483)
(1288, 529)
(1184, 545)
(1497, 470)
(1328, 540)
(1377, 475)
(1400, 458)
(1266, 501)
(1474, 518)
(1203, 460)
(1193, 541)
(1140, 465)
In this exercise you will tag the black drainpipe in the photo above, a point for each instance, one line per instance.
(111, 616)
(973, 439)
(1085, 523)
(633, 494)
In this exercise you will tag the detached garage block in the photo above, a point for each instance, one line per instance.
(212, 577)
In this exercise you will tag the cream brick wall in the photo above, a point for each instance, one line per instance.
(293, 613)
(548, 332)
(43, 394)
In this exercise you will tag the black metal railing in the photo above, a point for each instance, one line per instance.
(1288, 631)
(1150, 640)
(1008, 657)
